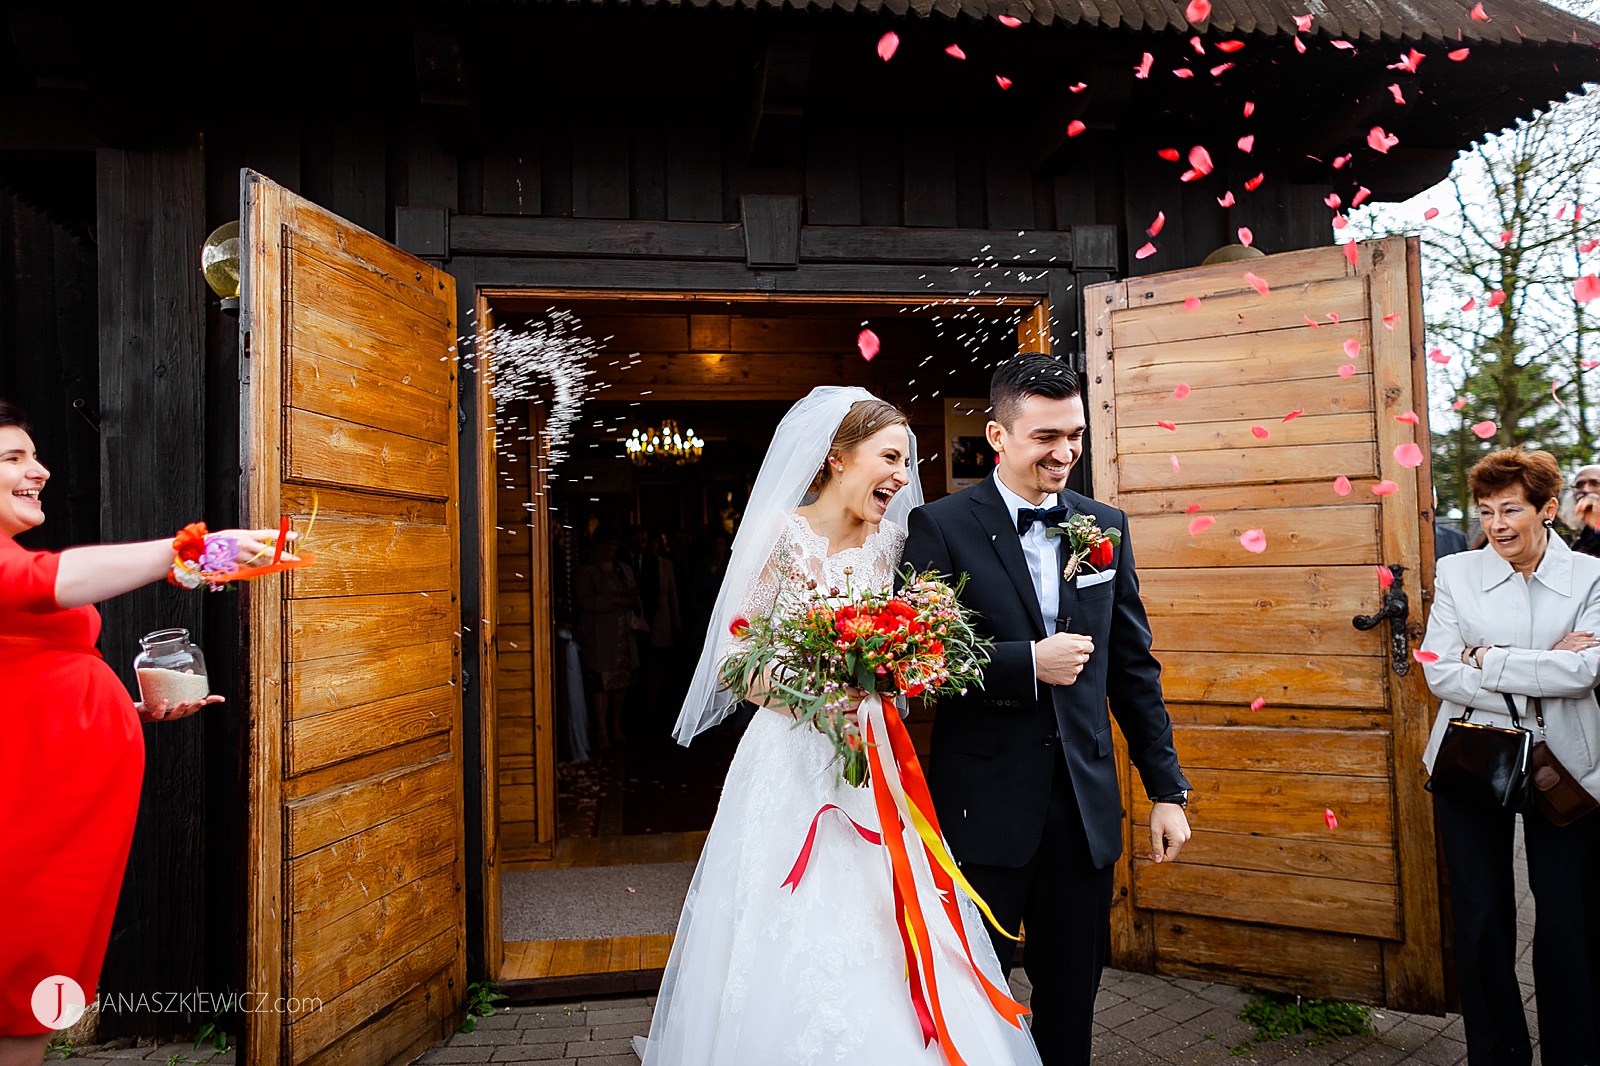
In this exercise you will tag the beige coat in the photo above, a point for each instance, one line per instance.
(1479, 599)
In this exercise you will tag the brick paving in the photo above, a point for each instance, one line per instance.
(1140, 1020)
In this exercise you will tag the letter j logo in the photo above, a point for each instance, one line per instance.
(58, 1002)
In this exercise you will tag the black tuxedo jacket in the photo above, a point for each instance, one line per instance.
(993, 751)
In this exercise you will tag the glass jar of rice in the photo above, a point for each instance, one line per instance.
(170, 668)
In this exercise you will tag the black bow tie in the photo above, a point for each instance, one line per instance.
(1050, 516)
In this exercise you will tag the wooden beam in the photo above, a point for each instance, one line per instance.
(911, 282)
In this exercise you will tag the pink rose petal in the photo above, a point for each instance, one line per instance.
(1143, 69)
(1181, 392)
(1200, 524)
(1391, 319)
(1303, 23)
(1010, 21)
(1219, 68)
(1256, 283)
(1245, 236)
(1347, 370)
(1198, 10)
(1247, 142)
(955, 52)
(1341, 486)
(1458, 404)
(1479, 14)
(1408, 456)
(1408, 62)
(1340, 222)
(1078, 87)
(1379, 141)
(1497, 297)
(1484, 430)
(1351, 251)
(1259, 432)
(1385, 488)
(1156, 226)
(1399, 97)
(1145, 251)
(887, 44)
(1171, 155)
(1331, 818)
(1226, 199)
(1430, 214)
(1385, 576)
(1249, 108)
(1253, 540)
(1352, 349)
(1183, 72)
(1002, 81)
(1425, 656)
(1470, 304)
(1439, 357)
(1075, 127)
(1230, 47)
(1173, 459)
(1292, 415)
(1252, 184)
(868, 344)
(1192, 508)
(1166, 425)
(1458, 55)
(1361, 195)
(1588, 246)
(1200, 159)
(1409, 418)
(1258, 703)
(1586, 288)
(1191, 303)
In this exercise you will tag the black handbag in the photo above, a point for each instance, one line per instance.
(1555, 792)
(1483, 765)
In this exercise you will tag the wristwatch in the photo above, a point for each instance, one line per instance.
(1180, 798)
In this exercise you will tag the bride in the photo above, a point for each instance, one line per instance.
(760, 971)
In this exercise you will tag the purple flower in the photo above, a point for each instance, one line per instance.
(220, 555)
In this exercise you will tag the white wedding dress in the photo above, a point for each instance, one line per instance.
(761, 975)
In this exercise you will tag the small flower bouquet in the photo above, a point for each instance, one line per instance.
(1086, 543)
(820, 644)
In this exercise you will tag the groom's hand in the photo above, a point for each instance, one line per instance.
(1169, 831)
(1059, 659)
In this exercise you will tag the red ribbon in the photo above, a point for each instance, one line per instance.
(798, 871)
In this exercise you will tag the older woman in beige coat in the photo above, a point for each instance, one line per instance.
(1518, 617)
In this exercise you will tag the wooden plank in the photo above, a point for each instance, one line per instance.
(1271, 716)
(365, 275)
(316, 821)
(332, 334)
(1194, 436)
(323, 450)
(339, 955)
(313, 782)
(1324, 965)
(1357, 459)
(1244, 312)
(1288, 805)
(624, 953)
(334, 880)
(1273, 356)
(316, 1030)
(1264, 402)
(324, 381)
(1306, 609)
(1285, 270)
(1359, 908)
(1216, 499)
(1362, 753)
(580, 956)
(470, 235)
(1300, 536)
(366, 555)
(342, 682)
(332, 625)
(655, 950)
(427, 1008)
(511, 186)
(813, 280)
(350, 731)
(1320, 858)
(1283, 679)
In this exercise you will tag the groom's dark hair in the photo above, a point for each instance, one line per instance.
(1028, 374)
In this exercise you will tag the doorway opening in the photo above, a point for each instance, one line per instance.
(608, 566)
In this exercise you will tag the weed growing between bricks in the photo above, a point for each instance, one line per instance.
(1272, 1017)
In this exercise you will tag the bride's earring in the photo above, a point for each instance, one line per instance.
(1549, 523)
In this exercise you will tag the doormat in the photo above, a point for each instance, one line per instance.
(593, 902)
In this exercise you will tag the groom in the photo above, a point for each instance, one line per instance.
(1021, 770)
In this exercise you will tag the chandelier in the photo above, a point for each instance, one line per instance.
(664, 445)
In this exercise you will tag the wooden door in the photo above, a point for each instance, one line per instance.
(355, 914)
(1313, 865)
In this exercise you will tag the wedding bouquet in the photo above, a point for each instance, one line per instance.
(821, 649)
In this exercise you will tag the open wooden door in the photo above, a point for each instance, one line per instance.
(1271, 893)
(356, 842)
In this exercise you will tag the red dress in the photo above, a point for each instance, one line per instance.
(71, 762)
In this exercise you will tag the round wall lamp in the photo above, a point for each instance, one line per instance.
(219, 262)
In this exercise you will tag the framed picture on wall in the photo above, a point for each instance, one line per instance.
(968, 457)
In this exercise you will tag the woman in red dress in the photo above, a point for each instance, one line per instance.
(71, 751)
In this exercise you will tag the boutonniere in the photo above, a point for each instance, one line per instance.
(1086, 543)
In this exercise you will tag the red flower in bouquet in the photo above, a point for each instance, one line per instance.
(1100, 554)
(739, 627)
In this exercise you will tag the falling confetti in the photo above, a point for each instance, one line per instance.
(1331, 818)
(1341, 486)
(1385, 488)
(1256, 283)
(1409, 418)
(1253, 540)
(1408, 456)
(1181, 392)
(1259, 432)
(868, 344)
(887, 45)
(1379, 141)
(1200, 524)
(1484, 430)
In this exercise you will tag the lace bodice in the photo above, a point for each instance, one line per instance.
(802, 550)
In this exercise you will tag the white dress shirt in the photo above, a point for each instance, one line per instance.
(1040, 551)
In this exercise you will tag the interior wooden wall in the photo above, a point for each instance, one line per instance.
(522, 838)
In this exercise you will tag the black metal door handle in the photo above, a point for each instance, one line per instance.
(1397, 610)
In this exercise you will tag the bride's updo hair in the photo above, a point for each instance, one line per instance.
(864, 418)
